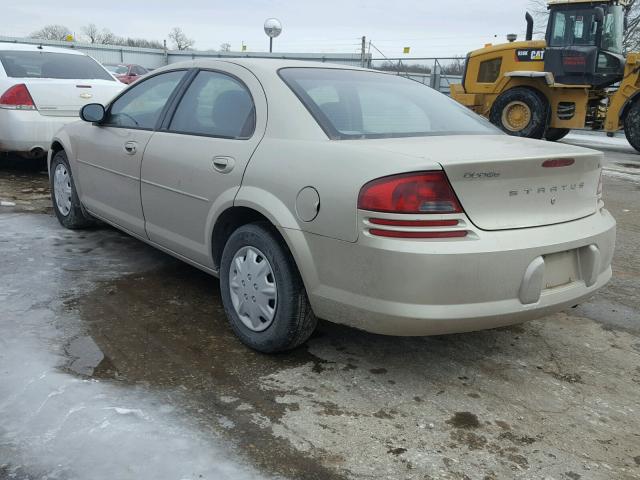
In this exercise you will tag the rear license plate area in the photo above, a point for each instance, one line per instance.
(560, 269)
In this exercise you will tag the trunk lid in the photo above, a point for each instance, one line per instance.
(501, 181)
(64, 98)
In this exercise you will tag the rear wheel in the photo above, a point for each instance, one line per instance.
(66, 203)
(262, 292)
(521, 112)
(632, 126)
(555, 134)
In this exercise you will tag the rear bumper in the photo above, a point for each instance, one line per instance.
(407, 288)
(24, 130)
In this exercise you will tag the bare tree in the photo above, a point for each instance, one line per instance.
(631, 40)
(455, 66)
(52, 32)
(225, 47)
(540, 13)
(92, 32)
(108, 38)
(180, 40)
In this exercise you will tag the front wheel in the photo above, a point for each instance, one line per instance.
(632, 126)
(262, 292)
(64, 196)
(521, 112)
(555, 134)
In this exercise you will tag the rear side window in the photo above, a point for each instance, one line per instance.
(141, 105)
(489, 70)
(355, 104)
(217, 105)
(25, 64)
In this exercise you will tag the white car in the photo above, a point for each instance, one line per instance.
(42, 89)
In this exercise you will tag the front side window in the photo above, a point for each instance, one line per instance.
(573, 27)
(613, 30)
(28, 64)
(136, 70)
(353, 104)
(215, 104)
(140, 106)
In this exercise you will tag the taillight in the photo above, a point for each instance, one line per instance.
(18, 98)
(424, 192)
(558, 162)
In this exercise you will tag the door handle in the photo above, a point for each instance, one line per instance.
(223, 164)
(130, 148)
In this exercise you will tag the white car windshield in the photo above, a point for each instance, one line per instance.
(29, 64)
(353, 104)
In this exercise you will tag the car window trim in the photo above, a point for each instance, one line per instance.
(137, 84)
(176, 102)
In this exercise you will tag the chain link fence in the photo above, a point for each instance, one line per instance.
(151, 58)
(437, 72)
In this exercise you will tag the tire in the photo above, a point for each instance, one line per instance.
(68, 210)
(632, 125)
(555, 134)
(292, 321)
(521, 112)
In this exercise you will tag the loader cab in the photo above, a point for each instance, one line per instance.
(584, 43)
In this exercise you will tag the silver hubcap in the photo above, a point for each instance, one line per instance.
(252, 285)
(62, 189)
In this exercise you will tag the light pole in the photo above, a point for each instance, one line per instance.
(273, 28)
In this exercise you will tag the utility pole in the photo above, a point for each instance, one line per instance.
(165, 54)
(363, 53)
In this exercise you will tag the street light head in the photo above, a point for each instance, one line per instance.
(272, 27)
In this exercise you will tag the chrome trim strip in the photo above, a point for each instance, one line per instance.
(174, 190)
(100, 167)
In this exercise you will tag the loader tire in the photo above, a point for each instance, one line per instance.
(521, 112)
(555, 134)
(632, 125)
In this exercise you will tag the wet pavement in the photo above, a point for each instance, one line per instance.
(116, 361)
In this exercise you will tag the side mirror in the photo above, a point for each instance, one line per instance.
(92, 112)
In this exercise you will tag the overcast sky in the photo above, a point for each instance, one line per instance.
(429, 27)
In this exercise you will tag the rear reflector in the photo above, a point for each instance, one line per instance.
(424, 192)
(18, 98)
(414, 223)
(558, 162)
(397, 234)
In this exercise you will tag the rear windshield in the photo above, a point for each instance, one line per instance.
(353, 104)
(21, 64)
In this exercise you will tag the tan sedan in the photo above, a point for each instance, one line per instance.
(317, 191)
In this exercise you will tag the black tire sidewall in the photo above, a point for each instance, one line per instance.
(632, 125)
(291, 303)
(536, 102)
(76, 217)
(555, 134)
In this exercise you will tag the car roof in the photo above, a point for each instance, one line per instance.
(258, 64)
(28, 47)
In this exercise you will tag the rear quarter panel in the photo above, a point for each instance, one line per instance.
(281, 168)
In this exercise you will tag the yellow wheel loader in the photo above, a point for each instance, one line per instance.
(576, 78)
